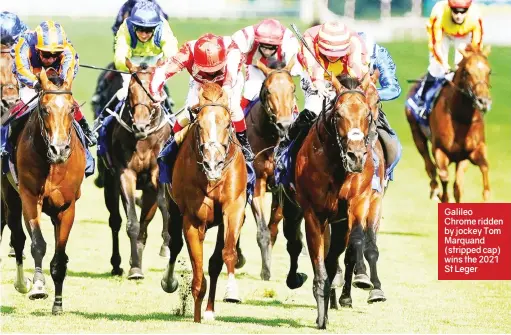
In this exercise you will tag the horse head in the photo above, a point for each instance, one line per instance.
(278, 94)
(144, 111)
(214, 129)
(55, 113)
(473, 76)
(352, 118)
(10, 91)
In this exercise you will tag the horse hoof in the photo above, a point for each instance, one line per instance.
(231, 291)
(265, 275)
(241, 261)
(38, 291)
(346, 302)
(25, 287)
(174, 284)
(135, 273)
(435, 195)
(99, 182)
(12, 253)
(209, 316)
(297, 281)
(56, 310)
(362, 281)
(323, 323)
(117, 272)
(164, 251)
(376, 295)
(138, 202)
(338, 281)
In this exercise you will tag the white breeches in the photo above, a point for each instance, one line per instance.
(123, 91)
(253, 83)
(313, 101)
(435, 68)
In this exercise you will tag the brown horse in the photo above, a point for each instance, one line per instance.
(135, 141)
(334, 171)
(10, 92)
(209, 189)
(50, 162)
(457, 125)
(267, 123)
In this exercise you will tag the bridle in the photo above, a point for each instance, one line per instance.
(11, 85)
(333, 124)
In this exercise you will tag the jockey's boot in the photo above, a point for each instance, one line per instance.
(303, 121)
(102, 114)
(427, 84)
(245, 146)
(168, 102)
(90, 137)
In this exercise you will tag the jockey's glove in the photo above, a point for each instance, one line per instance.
(323, 89)
(158, 79)
(37, 86)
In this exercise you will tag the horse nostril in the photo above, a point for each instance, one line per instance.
(206, 166)
(54, 149)
(67, 147)
(351, 156)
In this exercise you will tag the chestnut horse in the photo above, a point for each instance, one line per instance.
(10, 92)
(209, 189)
(457, 125)
(267, 123)
(50, 163)
(135, 141)
(334, 186)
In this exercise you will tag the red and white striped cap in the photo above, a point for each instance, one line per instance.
(334, 39)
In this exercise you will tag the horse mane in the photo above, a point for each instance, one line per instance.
(349, 82)
(212, 92)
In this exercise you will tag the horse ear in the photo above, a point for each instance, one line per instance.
(464, 52)
(337, 85)
(69, 80)
(201, 98)
(486, 50)
(43, 79)
(291, 63)
(263, 68)
(366, 81)
(160, 62)
(375, 76)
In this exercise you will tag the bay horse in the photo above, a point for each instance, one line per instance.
(135, 141)
(9, 96)
(209, 189)
(267, 123)
(334, 186)
(50, 163)
(457, 125)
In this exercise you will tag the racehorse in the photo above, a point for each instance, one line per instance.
(267, 123)
(10, 92)
(334, 186)
(134, 142)
(209, 189)
(50, 163)
(457, 125)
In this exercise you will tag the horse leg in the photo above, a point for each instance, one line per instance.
(148, 210)
(361, 279)
(128, 185)
(461, 168)
(321, 284)
(349, 265)
(275, 218)
(479, 157)
(333, 269)
(11, 216)
(421, 142)
(58, 265)
(194, 235)
(32, 214)
(215, 267)
(234, 215)
(372, 254)
(162, 205)
(111, 192)
(241, 259)
(169, 283)
(292, 219)
(442, 161)
(263, 233)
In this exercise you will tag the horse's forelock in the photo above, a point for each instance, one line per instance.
(212, 92)
(349, 82)
(275, 64)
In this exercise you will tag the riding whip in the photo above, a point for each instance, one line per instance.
(102, 68)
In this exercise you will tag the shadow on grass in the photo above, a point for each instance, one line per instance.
(276, 303)
(85, 274)
(267, 322)
(133, 317)
(402, 233)
(7, 310)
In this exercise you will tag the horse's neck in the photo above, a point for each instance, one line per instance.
(32, 133)
(460, 105)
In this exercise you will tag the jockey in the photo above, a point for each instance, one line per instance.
(210, 58)
(143, 35)
(456, 22)
(46, 47)
(340, 50)
(11, 28)
(262, 41)
(126, 9)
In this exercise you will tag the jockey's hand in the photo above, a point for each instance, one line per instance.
(447, 68)
(322, 88)
(158, 79)
(228, 92)
(37, 86)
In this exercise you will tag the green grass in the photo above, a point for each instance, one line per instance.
(417, 302)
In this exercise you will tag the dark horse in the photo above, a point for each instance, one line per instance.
(457, 125)
(209, 189)
(134, 143)
(334, 172)
(267, 123)
(50, 163)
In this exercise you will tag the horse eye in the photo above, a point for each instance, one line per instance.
(225, 146)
